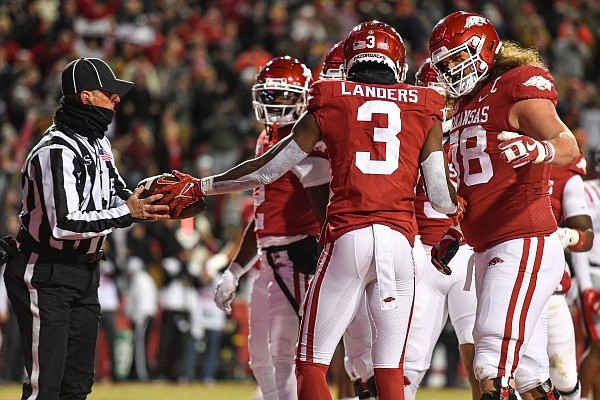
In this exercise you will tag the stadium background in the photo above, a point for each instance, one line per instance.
(193, 64)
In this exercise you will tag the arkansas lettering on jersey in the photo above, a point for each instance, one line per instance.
(374, 135)
(281, 208)
(559, 176)
(503, 202)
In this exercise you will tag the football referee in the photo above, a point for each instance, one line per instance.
(73, 197)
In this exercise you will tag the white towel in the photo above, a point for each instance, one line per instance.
(384, 264)
(469, 277)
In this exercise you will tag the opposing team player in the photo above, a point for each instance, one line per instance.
(378, 131)
(504, 178)
(288, 214)
(357, 338)
(438, 296)
(576, 235)
(587, 271)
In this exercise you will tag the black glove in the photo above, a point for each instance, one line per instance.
(10, 247)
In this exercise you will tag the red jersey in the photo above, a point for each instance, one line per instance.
(503, 202)
(374, 135)
(431, 224)
(559, 176)
(281, 208)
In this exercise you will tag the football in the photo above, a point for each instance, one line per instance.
(154, 183)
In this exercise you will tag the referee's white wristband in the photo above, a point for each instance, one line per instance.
(206, 185)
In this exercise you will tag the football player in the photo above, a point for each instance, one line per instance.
(438, 296)
(378, 131)
(504, 177)
(587, 271)
(576, 235)
(357, 338)
(288, 213)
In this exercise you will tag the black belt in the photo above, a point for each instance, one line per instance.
(50, 254)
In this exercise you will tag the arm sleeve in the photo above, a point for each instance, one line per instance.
(290, 155)
(312, 171)
(573, 200)
(581, 266)
(436, 185)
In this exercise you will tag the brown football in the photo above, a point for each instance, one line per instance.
(154, 183)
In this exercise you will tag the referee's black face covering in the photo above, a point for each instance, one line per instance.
(78, 112)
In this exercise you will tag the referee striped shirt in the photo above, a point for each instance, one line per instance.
(73, 195)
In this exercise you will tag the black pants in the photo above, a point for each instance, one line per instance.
(107, 325)
(58, 311)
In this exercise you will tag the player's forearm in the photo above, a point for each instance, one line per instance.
(259, 171)
(565, 149)
(581, 266)
(440, 192)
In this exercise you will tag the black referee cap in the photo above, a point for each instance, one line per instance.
(91, 74)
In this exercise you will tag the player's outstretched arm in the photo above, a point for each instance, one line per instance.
(252, 173)
(270, 166)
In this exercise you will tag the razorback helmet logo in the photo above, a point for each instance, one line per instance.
(471, 43)
(333, 64)
(375, 41)
(279, 95)
(475, 20)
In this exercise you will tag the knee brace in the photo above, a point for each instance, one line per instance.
(503, 391)
(548, 391)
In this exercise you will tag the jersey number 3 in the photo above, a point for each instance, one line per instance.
(387, 135)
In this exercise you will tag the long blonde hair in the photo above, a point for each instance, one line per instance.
(513, 55)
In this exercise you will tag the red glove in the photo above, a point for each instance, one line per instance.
(181, 194)
(518, 150)
(590, 305)
(590, 300)
(459, 214)
(443, 252)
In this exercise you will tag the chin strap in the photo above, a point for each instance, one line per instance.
(275, 133)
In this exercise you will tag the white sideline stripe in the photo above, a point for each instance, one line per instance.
(35, 327)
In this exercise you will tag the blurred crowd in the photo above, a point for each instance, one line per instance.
(193, 63)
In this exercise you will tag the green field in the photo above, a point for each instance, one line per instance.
(221, 391)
